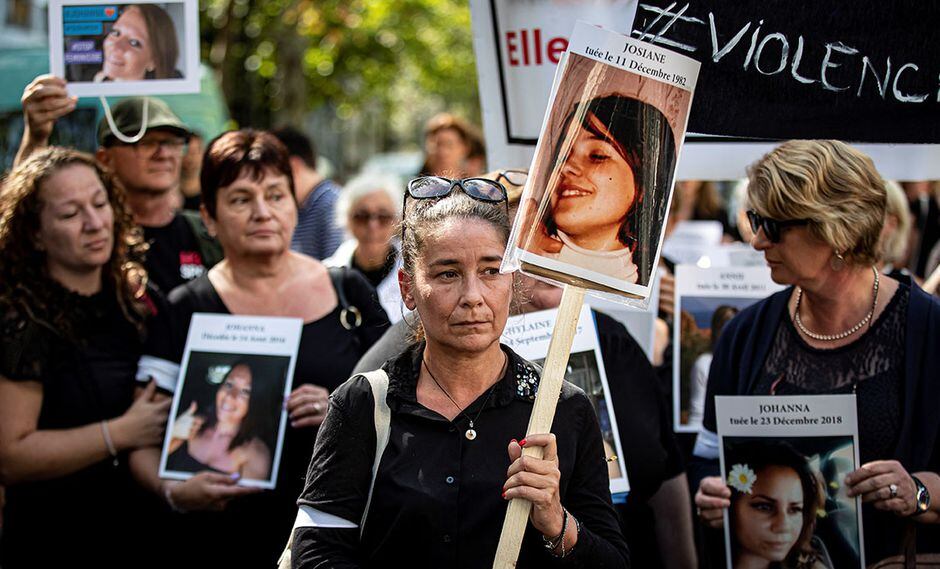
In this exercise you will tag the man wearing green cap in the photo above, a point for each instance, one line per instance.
(149, 169)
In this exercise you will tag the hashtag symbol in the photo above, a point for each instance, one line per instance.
(668, 18)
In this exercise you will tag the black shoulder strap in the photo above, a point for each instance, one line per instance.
(350, 316)
(338, 276)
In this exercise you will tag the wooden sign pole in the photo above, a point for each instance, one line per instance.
(543, 413)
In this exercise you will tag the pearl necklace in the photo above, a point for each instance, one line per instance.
(841, 335)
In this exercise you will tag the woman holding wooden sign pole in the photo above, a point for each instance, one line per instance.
(457, 401)
(840, 328)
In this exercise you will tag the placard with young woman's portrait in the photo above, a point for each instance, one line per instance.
(594, 210)
(128, 48)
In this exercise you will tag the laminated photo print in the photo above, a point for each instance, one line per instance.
(130, 48)
(705, 301)
(594, 209)
(228, 414)
(529, 336)
(785, 459)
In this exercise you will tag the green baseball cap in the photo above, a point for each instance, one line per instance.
(128, 117)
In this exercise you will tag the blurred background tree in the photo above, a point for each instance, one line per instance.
(361, 76)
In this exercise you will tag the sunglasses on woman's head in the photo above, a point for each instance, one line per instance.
(771, 227)
(434, 187)
(430, 187)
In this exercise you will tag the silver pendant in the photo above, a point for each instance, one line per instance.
(471, 434)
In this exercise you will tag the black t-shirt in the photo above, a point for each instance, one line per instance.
(325, 357)
(82, 519)
(173, 257)
(436, 500)
(651, 455)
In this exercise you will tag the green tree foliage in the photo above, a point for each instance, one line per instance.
(280, 59)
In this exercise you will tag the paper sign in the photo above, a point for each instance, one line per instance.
(529, 335)
(228, 413)
(130, 48)
(785, 459)
(706, 300)
(594, 208)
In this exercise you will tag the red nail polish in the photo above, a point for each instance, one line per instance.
(504, 495)
(512, 441)
(522, 443)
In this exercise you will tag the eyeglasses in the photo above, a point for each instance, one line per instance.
(514, 177)
(772, 227)
(149, 146)
(433, 187)
(364, 217)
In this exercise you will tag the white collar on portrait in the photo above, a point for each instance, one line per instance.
(618, 264)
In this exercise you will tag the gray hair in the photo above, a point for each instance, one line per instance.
(423, 217)
(365, 184)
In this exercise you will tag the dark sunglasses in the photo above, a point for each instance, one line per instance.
(364, 217)
(771, 227)
(433, 187)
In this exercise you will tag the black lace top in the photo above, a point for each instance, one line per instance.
(872, 367)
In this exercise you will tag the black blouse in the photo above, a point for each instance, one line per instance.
(327, 353)
(437, 499)
(84, 381)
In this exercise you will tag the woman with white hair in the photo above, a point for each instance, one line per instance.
(370, 207)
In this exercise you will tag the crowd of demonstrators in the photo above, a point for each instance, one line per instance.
(459, 402)
(247, 194)
(317, 235)
(370, 207)
(73, 312)
(95, 309)
(841, 327)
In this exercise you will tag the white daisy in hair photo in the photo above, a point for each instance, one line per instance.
(742, 478)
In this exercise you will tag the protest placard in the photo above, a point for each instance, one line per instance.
(594, 208)
(706, 300)
(228, 413)
(529, 335)
(127, 48)
(785, 459)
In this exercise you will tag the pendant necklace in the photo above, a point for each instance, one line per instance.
(471, 432)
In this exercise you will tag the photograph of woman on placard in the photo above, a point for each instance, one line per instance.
(229, 416)
(140, 45)
(595, 205)
(125, 42)
(788, 507)
(603, 174)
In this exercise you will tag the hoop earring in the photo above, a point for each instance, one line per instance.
(837, 261)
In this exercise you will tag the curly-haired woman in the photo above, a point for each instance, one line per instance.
(73, 304)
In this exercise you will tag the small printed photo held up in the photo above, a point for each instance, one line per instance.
(594, 209)
(228, 413)
(127, 48)
(785, 460)
(530, 334)
(706, 300)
